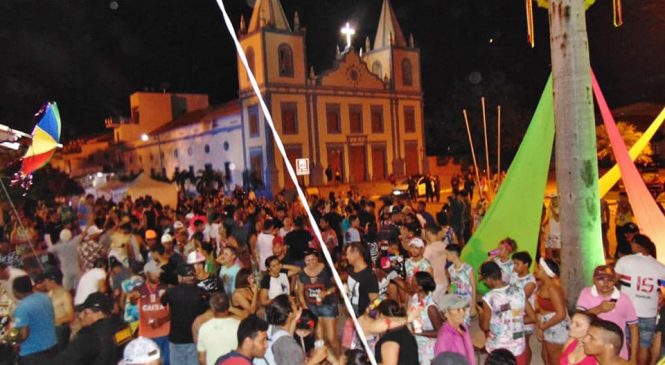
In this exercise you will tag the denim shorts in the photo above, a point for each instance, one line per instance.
(324, 310)
(647, 328)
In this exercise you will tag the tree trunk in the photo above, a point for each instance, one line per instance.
(576, 161)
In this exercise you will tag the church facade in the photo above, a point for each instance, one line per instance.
(363, 118)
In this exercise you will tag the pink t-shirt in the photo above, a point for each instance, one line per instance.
(623, 314)
(451, 340)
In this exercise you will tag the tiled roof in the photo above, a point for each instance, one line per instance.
(196, 116)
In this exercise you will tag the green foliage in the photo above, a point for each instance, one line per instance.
(630, 136)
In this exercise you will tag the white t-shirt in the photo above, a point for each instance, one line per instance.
(264, 248)
(7, 299)
(276, 286)
(88, 284)
(351, 235)
(217, 337)
(640, 276)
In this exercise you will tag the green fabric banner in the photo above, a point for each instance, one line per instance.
(517, 207)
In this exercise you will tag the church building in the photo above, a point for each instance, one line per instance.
(363, 117)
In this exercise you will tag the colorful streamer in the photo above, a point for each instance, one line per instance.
(649, 216)
(611, 177)
(516, 209)
(45, 138)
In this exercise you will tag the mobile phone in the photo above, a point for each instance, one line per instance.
(613, 300)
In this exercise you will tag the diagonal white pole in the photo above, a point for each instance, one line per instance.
(294, 178)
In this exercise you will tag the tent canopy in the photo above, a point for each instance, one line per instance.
(165, 193)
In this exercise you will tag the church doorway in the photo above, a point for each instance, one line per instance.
(411, 156)
(357, 160)
(378, 162)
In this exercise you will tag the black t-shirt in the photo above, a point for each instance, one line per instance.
(361, 284)
(365, 219)
(186, 302)
(408, 348)
(322, 282)
(297, 241)
(211, 284)
(169, 274)
(92, 345)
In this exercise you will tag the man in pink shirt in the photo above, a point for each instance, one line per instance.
(453, 335)
(607, 302)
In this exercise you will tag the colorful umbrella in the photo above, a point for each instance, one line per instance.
(45, 139)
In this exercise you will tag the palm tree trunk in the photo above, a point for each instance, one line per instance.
(576, 161)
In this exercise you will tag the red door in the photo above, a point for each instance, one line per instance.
(292, 153)
(379, 162)
(411, 157)
(357, 160)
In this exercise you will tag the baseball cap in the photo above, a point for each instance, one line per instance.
(453, 301)
(97, 301)
(52, 273)
(65, 235)
(93, 230)
(167, 238)
(150, 234)
(140, 351)
(177, 225)
(152, 267)
(604, 272)
(631, 228)
(450, 358)
(195, 257)
(417, 242)
(189, 216)
(186, 270)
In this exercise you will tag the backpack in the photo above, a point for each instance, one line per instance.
(269, 358)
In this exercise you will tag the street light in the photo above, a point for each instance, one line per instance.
(145, 137)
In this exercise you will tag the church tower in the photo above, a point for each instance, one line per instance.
(397, 62)
(275, 51)
(392, 58)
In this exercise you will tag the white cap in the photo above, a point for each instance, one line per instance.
(178, 225)
(417, 242)
(189, 216)
(93, 230)
(166, 238)
(195, 257)
(141, 351)
(65, 235)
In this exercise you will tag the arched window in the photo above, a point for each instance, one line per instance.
(285, 60)
(407, 75)
(377, 69)
(249, 53)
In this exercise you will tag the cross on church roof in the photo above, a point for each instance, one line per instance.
(348, 32)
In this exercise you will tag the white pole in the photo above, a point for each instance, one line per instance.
(294, 178)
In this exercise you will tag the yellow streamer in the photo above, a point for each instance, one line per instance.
(612, 176)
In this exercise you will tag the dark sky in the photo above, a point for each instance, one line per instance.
(89, 55)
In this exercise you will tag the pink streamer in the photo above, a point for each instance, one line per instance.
(649, 216)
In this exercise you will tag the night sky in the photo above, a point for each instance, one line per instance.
(90, 55)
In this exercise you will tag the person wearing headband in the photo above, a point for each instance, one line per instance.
(552, 324)
(501, 256)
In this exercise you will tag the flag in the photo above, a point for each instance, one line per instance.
(45, 139)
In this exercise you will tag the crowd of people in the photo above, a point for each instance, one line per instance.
(232, 278)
